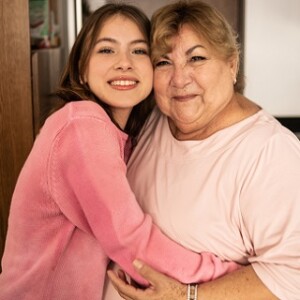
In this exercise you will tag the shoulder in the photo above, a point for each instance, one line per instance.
(83, 129)
(81, 122)
(81, 109)
(262, 129)
(79, 115)
(258, 148)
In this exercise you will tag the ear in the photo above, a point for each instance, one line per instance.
(83, 79)
(234, 67)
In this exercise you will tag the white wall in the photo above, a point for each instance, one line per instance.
(94, 4)
(271, 52)
(272, 55)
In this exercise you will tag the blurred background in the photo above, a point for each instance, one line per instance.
(269, 32)
(36, 37)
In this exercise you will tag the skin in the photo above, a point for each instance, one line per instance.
(194, 87)
(119, 71)
(242, 284)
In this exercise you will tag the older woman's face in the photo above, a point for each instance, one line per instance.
(192, 84)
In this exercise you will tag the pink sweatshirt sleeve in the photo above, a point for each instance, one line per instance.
(87, 177)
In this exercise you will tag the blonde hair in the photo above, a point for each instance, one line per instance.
(204, 19)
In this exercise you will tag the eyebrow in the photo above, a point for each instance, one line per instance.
(187, 52)
(111, 40)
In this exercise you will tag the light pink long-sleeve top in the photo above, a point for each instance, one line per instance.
(73, 208)
(239, 189)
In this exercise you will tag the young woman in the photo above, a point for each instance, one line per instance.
(72, 208)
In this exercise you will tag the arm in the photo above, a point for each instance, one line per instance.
(242, 284)
(87, 166)
(270, 210)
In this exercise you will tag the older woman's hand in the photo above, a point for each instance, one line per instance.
(161, 286)
(241, 284)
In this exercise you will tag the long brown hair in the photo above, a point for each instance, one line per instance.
(72, 87)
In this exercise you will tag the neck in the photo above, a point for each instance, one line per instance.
(121, 116)
(237, 110)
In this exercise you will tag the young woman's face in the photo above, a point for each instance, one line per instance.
(119, 71)
(192, 84)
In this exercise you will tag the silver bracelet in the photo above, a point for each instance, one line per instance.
(192, 291)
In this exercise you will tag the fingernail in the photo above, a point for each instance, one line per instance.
(137, 263)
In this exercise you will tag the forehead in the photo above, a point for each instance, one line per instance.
(120, 25)
(186, 38)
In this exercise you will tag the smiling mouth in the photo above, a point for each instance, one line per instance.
(184, 98)
(123, 83)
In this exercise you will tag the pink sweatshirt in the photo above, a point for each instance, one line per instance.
(73, 209)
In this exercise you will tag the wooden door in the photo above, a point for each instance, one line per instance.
(16, 126)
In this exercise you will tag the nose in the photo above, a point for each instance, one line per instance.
(123, 62)
(180, 77)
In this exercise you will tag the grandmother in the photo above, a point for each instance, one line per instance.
(214, 169)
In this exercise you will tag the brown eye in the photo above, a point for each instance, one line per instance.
(162, 63)
(105, 51)
(198, 58)
(140, 51)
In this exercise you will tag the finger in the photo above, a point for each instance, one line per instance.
(125, 290)
(115, 278)
(121, 275)
(153, 277)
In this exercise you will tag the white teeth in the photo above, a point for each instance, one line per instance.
(123, 82)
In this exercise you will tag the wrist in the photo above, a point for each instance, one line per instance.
(192, 291)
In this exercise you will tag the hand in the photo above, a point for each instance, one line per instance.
(161, 287)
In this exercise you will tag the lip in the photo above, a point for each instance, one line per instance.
(184, 98)
(123, 83)
(122, 78)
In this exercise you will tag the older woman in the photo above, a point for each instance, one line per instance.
(215, 170)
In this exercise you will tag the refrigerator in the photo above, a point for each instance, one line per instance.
(54, 25)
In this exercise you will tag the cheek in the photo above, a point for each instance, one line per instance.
(162, 100)
(99, 64)
(211, 83)
(160, 82)
(148, 73)
(159, 93)
(92, 71)
(221, 74)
